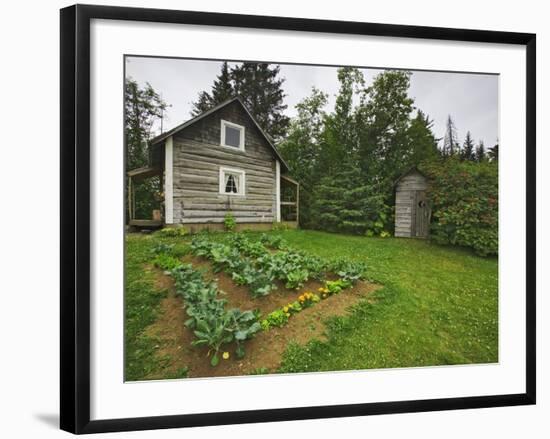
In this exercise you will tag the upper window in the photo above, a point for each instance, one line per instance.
(231, 181)
(232, 135)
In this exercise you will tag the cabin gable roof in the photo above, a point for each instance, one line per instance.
(160, 138)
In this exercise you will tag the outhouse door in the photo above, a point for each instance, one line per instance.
(421, 223)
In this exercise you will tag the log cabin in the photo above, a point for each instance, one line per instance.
(219, 162)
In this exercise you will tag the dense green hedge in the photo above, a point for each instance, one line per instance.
(464, 197)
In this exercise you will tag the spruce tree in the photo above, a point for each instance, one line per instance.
(340, 133)
(493, 153)
(480, 152)
(468, 150)
(382, 122)
(222, 90)
(223, 86)
(203, 103)
(346, 203)
(143, 106)
(303, 146)
(421, 138)
(259, 85)
(450, 141)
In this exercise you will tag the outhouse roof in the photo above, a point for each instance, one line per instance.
(408, 172)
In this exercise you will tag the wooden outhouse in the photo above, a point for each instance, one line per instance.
(412, 209)
(217, 163)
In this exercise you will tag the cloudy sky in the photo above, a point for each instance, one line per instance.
(470, 99)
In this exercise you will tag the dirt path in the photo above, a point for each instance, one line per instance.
(266, 348)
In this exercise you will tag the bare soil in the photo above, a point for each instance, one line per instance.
(266, 348)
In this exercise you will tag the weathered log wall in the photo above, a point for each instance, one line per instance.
(198, 157)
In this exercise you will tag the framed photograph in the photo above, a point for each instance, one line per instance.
(273, 218)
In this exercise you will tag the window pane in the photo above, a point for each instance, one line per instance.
(231, 184)
(232, 136)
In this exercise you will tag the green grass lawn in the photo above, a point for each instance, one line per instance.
(438, 305)
(142, 301)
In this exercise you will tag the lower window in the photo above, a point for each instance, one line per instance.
(232, 181)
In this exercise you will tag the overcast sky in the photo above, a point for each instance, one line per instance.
(470, 99)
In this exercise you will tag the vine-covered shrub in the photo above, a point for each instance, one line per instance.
(464, 197)
(229, 222)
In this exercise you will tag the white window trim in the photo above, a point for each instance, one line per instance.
(225, 123)
(242, 180)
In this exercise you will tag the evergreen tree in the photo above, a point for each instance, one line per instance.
(260, 87)
(493, 153)
(302, 148)
(480, 152)
(340, 133)
(344, 202)
(450, 141)
(143, 106)
(421, 138)
(223, 86)
(468, 150)
(222, 90)
(203, 103)
(382, 122)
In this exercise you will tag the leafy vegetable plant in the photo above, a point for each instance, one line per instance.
(277, 318)
(172, 232)
(166, 262)
(212, 324)
(162, 247)
(351, 271)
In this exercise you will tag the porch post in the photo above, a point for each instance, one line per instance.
(278, 190)
(130, 208)
(298, 204)
(169, 181)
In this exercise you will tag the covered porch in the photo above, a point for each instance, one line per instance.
(149, 212)
(289, 202)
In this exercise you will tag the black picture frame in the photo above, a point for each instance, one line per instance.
(75, 217)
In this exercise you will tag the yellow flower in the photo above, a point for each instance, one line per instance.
(320, 289)
(225, 355)
(285, 309)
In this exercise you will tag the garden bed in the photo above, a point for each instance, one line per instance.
(435, 305)
(238, 296)
(264, 351)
